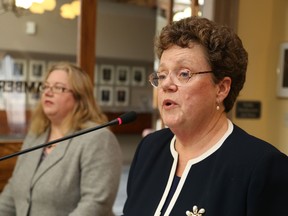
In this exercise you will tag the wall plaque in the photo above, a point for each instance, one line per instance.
(248, 109)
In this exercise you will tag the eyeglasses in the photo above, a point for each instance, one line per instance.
(54, 89)
(179, 79)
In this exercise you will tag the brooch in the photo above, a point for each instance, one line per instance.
(195, 211)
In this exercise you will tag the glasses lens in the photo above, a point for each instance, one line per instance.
(54, 89)
(57, 89)
(43, 88)
(153, 78)
(183, 77)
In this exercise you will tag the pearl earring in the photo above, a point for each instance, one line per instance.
(217, 107)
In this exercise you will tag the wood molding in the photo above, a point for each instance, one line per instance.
(143, 121)
(7, 166)
(87, 36)
(226, 13)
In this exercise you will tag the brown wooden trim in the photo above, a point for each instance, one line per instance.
(226, 13)
(7, 166)
(143, 121)
(87, 36)
(170, 11)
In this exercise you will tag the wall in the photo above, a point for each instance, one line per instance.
(123, 31)
(263, 27)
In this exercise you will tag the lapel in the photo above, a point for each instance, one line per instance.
(51, 160)
(31, 159)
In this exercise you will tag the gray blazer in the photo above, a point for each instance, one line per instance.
(80, 177)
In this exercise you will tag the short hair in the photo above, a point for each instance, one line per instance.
(224, 49)
(86, 108)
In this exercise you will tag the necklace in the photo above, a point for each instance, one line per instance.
(51, 146)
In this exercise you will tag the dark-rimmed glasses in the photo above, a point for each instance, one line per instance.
(54, 89)
(179, 79)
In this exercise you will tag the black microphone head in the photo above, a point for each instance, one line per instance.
(127, 117)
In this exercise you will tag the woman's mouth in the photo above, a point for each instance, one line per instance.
(48, 102)
(168, 104)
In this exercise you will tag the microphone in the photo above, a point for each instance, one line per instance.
(123, 119)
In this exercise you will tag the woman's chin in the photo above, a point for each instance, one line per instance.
(170, 123)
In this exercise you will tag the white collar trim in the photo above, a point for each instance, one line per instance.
(186, 171)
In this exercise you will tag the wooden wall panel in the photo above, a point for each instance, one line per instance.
(143, 121)
(7, 166)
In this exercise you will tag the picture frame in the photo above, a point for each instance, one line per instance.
(282, 71)
(122, 96)
(19, 69)
(138, 76)
(2, 102)
(105, 95)
(96, 74)
(1, 70)
(95, 92)
(122, 75)
(33, 96)
(50, 64)
(107, 73)
(32, 99)
(36, 70)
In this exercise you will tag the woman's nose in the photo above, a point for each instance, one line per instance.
(168, 83)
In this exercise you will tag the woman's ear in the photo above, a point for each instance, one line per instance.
(224, 88)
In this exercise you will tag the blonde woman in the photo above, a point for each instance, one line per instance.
(79, 176)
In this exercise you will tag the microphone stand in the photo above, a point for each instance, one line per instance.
(123, 119)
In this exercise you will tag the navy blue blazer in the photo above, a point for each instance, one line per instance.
(246, 176)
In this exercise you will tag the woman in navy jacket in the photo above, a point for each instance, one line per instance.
(202, 164)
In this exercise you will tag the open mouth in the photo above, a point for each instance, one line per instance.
(168, 103)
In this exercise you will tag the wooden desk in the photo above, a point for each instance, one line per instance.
(7, 166)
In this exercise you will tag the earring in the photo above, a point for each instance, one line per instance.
(217, 107)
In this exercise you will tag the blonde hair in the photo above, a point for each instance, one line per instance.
(86, 109)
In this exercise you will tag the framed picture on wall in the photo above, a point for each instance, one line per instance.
(32, 99)
(2, 102)
(282, 71)
(122, 75)
(107, 74)
(96, 74)
(50, 64)
(36, 70)
(138, 76)
(95, 92)
(105, 95)
(121, 96)
(1, 70)
(19, 69)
